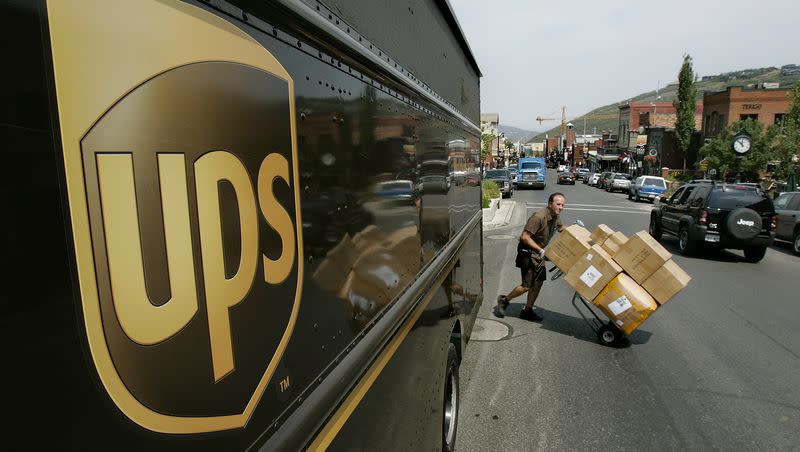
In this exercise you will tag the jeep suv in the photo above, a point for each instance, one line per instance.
(723, 215)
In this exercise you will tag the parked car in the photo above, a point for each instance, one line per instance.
(787, 211)
(472, 179)
(502, 177)
(513, 170)
(604, 177)
(717, 214)
(618, 182)
(594, 179)
(566, 178)
(582, 173)
(434, 184)
(647, 187)
(399, 191)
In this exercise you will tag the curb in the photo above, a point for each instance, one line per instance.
(489, 212)
(501, 216)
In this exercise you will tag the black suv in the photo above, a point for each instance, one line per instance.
(736, 216)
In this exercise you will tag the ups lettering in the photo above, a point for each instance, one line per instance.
(148, 324)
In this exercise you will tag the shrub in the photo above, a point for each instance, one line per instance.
(489, 190)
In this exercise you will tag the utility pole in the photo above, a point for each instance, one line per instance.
(658, 86)
(585, 150)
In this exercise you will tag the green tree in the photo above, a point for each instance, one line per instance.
(685, 107)
(486, 144)
(720, 155)
(787, 144)
(508, 144)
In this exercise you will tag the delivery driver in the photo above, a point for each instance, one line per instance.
(538, 231)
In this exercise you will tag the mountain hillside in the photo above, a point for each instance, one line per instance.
(607, 117)
(516, 134)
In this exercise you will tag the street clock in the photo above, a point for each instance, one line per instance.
(742, 143)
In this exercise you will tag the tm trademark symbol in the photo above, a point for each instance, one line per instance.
(284, 384)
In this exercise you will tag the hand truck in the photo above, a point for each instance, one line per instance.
(608, 333)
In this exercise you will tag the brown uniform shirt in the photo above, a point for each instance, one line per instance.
(542, 225)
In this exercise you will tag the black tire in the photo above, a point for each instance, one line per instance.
(655, 228)
(609, 335)
(450, 401)
(754, 254)
(796, 241)
(686, 245)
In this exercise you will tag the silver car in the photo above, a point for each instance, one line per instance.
(787, 212)
(619, 182)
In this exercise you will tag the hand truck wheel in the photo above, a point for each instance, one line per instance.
(609, 334)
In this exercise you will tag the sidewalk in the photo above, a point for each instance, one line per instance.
(497, 218)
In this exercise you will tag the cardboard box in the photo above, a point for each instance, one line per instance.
(641, 256)
(568, 246)
(591, 272)
(601, 233)
(614, 242)
(666, 282)
(626, 303)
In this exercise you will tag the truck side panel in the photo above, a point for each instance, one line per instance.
(303, 144)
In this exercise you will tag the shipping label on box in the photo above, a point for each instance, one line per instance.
(568, 246)
(614, 242)
(625, 302)
(591, 272)
(601, 233)
(641, 256)
(667, 281)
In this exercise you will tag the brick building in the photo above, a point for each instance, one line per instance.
(649, 114)
(723, 108)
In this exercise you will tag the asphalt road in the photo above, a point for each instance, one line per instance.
(716, 368)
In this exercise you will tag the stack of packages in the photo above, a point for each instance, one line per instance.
(627, 278)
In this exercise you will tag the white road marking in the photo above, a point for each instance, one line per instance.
(639, 212)
(588, 205)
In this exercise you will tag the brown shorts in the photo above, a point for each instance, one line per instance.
(532, 272)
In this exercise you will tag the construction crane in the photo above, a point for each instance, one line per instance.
(563, 121)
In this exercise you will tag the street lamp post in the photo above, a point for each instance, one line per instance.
(500, 136)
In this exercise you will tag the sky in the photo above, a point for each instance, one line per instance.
(537, 56)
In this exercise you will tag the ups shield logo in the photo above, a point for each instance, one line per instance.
(182, 184)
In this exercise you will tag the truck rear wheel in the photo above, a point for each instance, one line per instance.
(451, 399)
